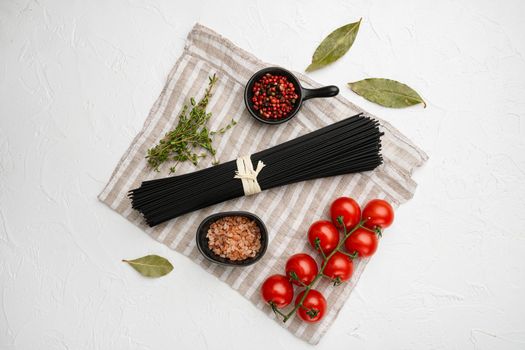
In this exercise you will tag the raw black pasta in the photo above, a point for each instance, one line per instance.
(348, 146)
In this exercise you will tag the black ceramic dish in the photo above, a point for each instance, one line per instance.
(304, 93)
(202, 240)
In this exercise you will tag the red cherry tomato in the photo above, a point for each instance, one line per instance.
(304, 267)
(339, 268)
(363, 242)
(313, 308)
(348, 209)
(326, 232)
(278, 290)
(378, 213)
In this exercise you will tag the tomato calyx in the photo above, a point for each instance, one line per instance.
(337, 281)
(341, 220)
(293, 277)
(312, 313)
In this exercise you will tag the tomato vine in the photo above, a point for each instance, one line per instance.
(326, 259)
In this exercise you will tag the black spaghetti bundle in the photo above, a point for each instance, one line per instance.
(348, 146)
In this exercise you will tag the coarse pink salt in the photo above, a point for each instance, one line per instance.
(234, 237)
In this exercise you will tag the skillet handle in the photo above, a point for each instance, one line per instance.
(325, 91)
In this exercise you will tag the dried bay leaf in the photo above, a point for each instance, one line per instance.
(334, 46)
(387, 92)
(151, 265)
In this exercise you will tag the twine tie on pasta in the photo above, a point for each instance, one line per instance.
(248, 175)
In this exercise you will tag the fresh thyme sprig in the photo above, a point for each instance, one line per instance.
(191, 132)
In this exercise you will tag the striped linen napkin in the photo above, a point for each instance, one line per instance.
(285, 210)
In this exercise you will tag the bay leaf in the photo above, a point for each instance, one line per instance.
(334, 46)
(151, 265)
(387, 92)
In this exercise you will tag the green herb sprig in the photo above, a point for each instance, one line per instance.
(191, 133)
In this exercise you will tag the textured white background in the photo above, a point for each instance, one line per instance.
(77, 79)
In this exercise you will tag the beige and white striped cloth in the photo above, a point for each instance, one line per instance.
(287, 211)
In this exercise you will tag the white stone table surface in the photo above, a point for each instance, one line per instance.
(77, 79)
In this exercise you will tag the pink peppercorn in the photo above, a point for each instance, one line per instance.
(274, 96)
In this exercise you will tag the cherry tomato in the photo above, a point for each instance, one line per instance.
(278, 290)
(313, 308)
(348, 209)
(378, 213)
(339, 268)
(326, 232)
(363, 242)
(304, 267)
